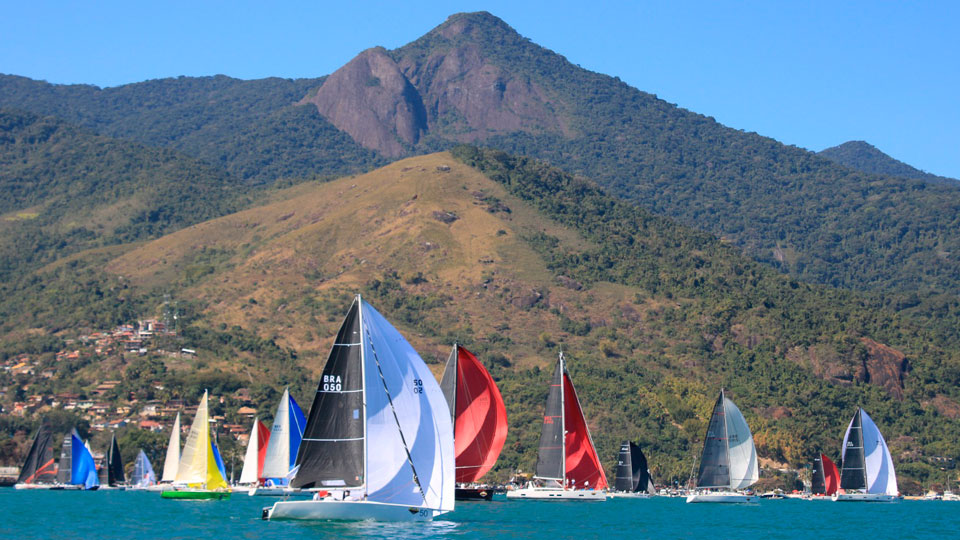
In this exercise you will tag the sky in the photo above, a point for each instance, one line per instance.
(812, 74)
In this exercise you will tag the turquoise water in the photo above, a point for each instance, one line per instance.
(115, 514)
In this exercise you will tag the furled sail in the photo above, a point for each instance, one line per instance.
(477, 411)
(583, 469)
(114, 463)
(256, 451)
(284, 441)
(729, 457)
(143, 474)
(39, 467)
(172, 461)
(379, 421)
(867, 463)
(550, 452)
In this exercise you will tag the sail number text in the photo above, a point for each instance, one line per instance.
(332, 383)
(418, 386)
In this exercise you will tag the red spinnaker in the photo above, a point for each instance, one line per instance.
(263, 437)
(481, 426)
(583, 465)
(831, 477)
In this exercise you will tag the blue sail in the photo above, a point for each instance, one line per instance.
(219, 460)
(83, 469)
(297, 422)
(143, 474)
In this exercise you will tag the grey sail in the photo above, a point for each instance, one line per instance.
(448, 384)
(624, 479)
(642, 481)
(854, 473)
(38, 468)
(715, 462)
(550, 453)
(332, 450)
(65, 465)
(114, 464)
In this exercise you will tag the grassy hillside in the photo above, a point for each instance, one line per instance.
(515, 260)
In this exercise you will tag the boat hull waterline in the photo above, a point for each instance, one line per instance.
(864, 497)
(548, 494)
(333, 510)
(724, 497)
(194, 495)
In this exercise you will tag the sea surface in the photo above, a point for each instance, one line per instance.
(129, 515)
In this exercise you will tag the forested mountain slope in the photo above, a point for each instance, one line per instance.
(865, 157)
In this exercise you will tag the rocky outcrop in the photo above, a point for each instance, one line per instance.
(884, 366)
(876, 364)
(371, 100)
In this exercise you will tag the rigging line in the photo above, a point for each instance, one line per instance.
(396, 419)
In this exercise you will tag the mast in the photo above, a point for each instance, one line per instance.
(563, 420)
(363, 383)
(726, 437)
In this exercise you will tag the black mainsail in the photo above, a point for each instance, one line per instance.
(715, 463)
(39, 467)
(65, 465)
(817, 484)
(114, 463)
(332, 450)
(854, 472)
(642, 481)
(633, 476)
(624, 478)
(550, 456)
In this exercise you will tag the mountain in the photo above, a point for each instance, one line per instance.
(864, 157)
(515, 259)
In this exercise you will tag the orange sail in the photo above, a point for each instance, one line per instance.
(480, 418)
(583, 469)
(831, 476)
(263, 434)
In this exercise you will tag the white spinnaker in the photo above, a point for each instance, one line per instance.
(881, 478)
(249, 473)
(394, 371)
(193, 460)
(172, 461)
(276, 463)
(743, 454)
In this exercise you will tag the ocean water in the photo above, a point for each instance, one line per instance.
(128, 515)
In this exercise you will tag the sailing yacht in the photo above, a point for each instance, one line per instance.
(76, 469)
(633, 477)
(39, 470)
(111, 473)
(143, 476)
(867, 473)
(567, 464)
(200, 471)
(252, 472)
(479, 421)
(826, 478)
(282, 446)
(729, 459)
(172, 460)
(378, 444)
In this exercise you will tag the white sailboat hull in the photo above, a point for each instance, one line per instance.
(726, 497)
(332, 510)
(864, 497)
(261, 491)
(628, 495)
(556, 494)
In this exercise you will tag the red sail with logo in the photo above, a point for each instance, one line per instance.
(479, 416)
(583, 470)
(831, 476)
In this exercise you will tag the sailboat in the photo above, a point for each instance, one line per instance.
(633, 477)
(252, 470)
(568, 467)
(111, 474)
(282, 447)
(143, 476)
(729, 459)
(826, 478)
(199, 475)
(479, 421)
(378, 441)
(39, 470)
(172, 460)
(867, 473)
(76, 469)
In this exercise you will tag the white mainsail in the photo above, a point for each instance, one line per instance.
(276, 463)
(742, 452)
(409, 431)
(193, 460)
(172, 461)
(249, 473)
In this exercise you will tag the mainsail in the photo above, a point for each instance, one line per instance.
(285, 437)
(867, 463)
(729, 459)
(826, 479)
(256, 451)
(632, 472)
(39, 466)
(172, 461)
(143, 474)
(114, 463)
(65, 465)
(379, 422)
(477, 412)
(76, 463)
(198, 463)
(566, 453)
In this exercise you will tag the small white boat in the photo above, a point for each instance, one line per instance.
(729, 459)
(867, 474)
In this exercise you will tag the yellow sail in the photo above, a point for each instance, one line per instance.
(215, 480)
(193, 469)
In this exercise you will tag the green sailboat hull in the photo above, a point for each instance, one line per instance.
(198, 495)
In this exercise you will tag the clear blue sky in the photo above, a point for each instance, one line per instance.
(809, 73)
